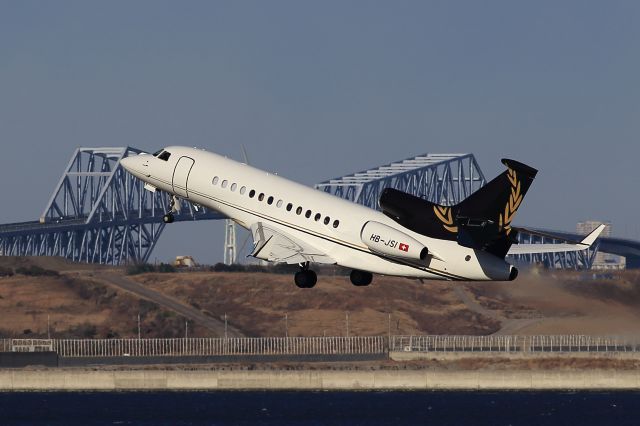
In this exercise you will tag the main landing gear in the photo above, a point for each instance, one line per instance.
(360, 278)
(168, 217)
(305, 278)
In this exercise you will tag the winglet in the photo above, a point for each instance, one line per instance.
(591, 238)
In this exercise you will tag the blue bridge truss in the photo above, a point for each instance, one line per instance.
(99, 213)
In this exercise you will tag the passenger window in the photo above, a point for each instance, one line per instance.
(327, 220)
(336, 223)
(318, 216)
(270, 200)
(261, 196)
(279, 203)
(299, 210)
(165, 155)
(289, 207)
(243, 190)
(224, 183)
(215, 180)
(252, 193)
(233, 187)
(307, 214)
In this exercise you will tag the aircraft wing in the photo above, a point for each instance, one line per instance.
(276, 245)
(553, 248)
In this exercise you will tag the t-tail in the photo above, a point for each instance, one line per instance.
(481, 221)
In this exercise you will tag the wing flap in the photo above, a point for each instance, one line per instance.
(275, 245)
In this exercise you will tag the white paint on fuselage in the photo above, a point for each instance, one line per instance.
(342, 243)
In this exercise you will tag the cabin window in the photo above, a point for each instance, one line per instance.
(243, 190)
(279, 203)
(270, 200)
(299, 210)
(215, 180)
(317, 217)
(307, 214)
(289, 207)
(261, 196)
(233, 187)
(224, 183)
(327, 219)
(336, 223)
(252, 193)
(165, 155)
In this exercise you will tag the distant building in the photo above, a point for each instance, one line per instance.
(603, 261)
(184, 262)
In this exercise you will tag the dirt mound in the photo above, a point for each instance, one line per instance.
(567, 302)
(261, 304)
(52, 263)
(266, 304)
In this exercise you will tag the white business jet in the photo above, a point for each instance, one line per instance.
(295, 224)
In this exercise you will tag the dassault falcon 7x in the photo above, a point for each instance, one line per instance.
(295, 224)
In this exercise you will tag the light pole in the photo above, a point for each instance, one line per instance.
(347, 315)
(389, 327)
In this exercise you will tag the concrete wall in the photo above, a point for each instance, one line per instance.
(80, 379)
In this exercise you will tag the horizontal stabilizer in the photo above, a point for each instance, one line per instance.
(586, 243)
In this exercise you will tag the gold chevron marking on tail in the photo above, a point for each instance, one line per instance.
(444, 215)
(515, 199)
(512, 176)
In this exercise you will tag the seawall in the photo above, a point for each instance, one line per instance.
(91, 380)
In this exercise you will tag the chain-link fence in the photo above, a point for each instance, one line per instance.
(221, 346)
(319, 345)
(556, 343)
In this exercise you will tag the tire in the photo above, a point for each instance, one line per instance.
(360, 278)
(305, 279)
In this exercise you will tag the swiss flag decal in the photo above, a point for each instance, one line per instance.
(403, 247)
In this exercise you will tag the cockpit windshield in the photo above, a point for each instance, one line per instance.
(162, 154)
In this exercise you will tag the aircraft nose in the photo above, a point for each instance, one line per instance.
(127, 163)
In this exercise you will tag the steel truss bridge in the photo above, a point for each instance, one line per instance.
(99, 213)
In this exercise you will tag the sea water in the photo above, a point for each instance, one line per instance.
(320, 408)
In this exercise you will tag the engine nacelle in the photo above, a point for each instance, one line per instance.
(386, 240)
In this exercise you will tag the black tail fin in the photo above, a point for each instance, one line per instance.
(481, 221)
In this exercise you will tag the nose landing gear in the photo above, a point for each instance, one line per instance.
(305, 278)
(173, 207)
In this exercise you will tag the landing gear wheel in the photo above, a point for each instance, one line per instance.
(360, 278)
(306, 278)
(168, 218)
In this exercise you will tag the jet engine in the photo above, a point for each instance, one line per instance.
(383, 239)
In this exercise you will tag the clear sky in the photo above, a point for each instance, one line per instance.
(320, 89)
